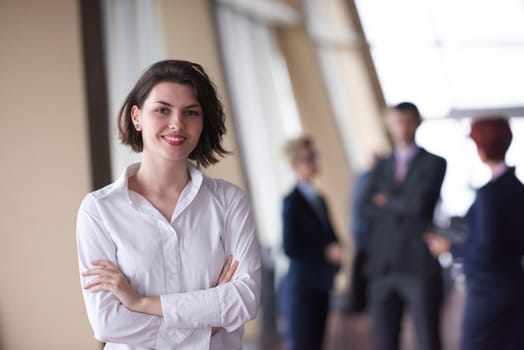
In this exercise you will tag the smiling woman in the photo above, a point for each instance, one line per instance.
(141, 240)
(198, 94)
(170, 121)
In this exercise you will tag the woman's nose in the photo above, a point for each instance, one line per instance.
(175, 122)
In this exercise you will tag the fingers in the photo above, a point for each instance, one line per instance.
(97, 272)
(228, 271)
(225, 269)
(99, 287)
(105, 264)
(231, 272)
(98, 283)
(227, 265)
(105, 268)
(103, 277)
(437, 244)
(106, 273)
(429, 236)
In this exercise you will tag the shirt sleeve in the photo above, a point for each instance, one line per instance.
(111, 321)
(232, 304)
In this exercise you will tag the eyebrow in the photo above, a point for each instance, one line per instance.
(196, 105)
(164, 103)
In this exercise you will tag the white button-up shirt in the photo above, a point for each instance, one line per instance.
(180, 260)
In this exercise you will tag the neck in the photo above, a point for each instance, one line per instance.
(162, 175)
(493, 164)
(304, 179)
(404, 146)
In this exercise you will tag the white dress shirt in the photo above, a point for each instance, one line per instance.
(403, 158)
(180, 260)
(313, 198)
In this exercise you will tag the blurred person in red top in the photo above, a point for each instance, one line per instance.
(493, 248)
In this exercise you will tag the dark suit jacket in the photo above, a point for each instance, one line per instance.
(494, 246)
(397, 243)
(360, 227)
(305, 239)
(493, 263)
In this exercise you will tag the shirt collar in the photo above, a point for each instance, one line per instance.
(189, 192)
(123, 179)
(307, 190)
(499, 170)
(406, 153)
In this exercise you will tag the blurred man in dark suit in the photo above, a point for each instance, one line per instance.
(399, 203)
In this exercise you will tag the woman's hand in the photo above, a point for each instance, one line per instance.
(226, 275)
(334, 252)
(380, 199)
(111, 279)
(228, 271)
(436, 244)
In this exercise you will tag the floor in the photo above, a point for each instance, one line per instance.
(354, 332)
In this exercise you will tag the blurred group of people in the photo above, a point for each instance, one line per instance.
(397, 248)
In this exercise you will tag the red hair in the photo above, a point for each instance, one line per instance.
(492, 134)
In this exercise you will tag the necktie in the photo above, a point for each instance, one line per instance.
(401, 169)
(320, 210)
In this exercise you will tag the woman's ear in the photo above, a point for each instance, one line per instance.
(135, 114)
(482, 154)
(135, 118)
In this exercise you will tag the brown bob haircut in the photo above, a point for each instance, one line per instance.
(493, 135)
(209, 148)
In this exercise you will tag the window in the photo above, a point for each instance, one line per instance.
(454, 59)
(265, 113)
(447, 54)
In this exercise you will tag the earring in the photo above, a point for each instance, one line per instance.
(137, 127)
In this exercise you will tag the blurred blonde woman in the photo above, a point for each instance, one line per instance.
(311, 244)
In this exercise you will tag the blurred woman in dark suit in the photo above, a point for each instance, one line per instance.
(493, 249)
(310, 243)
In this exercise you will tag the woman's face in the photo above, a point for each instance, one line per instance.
(171, 121)
(305, 164)
(402, 126)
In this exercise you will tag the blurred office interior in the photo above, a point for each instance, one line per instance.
(326, 68)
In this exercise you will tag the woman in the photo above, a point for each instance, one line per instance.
(494, 248)
(156, 247)
(313, 250)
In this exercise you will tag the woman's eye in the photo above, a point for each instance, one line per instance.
(192, 113)
(162, 110)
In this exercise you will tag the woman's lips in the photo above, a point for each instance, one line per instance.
(174, 140)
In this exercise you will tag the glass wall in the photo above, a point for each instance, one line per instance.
(447, 54)
(455, 60)
(133, 41)
(265, 113)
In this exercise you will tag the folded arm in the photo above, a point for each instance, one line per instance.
(229, 305)
(419, 200)
(111, 321)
